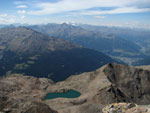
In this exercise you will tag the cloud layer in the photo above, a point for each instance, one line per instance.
(121, 6)
(7, 19)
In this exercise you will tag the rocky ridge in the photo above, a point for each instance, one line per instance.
(125, 108)
(113, 83)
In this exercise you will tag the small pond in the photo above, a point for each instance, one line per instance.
(68, 94)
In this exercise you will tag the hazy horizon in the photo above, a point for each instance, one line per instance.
(124, 13)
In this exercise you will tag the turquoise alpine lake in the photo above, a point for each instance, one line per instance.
(68, 94)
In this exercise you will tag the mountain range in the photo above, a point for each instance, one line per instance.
(23, 50)
(136, 35)
(123, 44)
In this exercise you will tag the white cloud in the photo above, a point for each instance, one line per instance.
(22, 17)
(7, 20)
(100, 17)
(77, 5)
(3, 15)
(21, 11)
(128, 10)
(18, 2)
(21, 6)
(116, 11)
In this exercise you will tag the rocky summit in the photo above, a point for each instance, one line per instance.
(112, 83)
(125, 108)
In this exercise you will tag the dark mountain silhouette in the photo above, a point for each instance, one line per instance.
(23, 50)
(145, 61)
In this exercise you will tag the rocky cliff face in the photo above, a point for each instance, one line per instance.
(132, 84)
(110, 84)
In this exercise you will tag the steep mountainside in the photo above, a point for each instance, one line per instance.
(145, 61)
(26, 51)
(105, 42)
(110, 84)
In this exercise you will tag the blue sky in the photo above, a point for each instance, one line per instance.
(98, 12)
